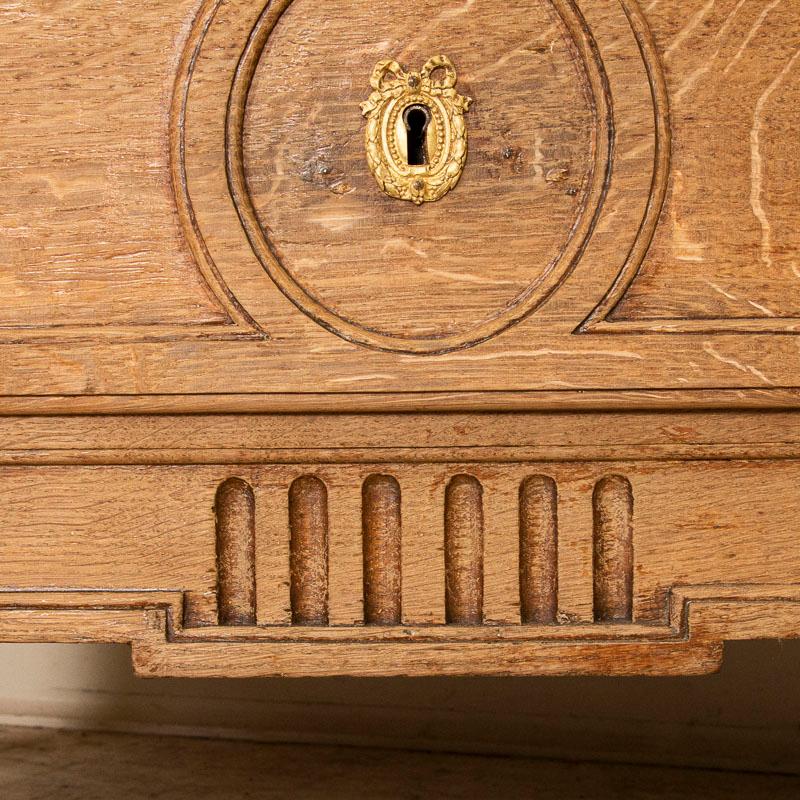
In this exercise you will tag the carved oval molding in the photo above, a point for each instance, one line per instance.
(262, 232)
(201, 196)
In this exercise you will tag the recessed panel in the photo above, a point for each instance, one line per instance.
(441, 269)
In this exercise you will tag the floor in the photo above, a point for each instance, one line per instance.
(70, 765)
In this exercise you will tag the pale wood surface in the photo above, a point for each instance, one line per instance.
(747, 266)
(471, 253)
(131, 263)
(43, 763)
(664, 535)
(207, 305)
(90, 235)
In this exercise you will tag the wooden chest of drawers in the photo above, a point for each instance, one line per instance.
(432, 337)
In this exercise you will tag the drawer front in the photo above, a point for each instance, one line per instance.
(192, 207)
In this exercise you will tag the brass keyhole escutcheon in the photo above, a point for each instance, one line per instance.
(416, 136)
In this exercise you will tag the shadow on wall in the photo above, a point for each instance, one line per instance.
(746, 717)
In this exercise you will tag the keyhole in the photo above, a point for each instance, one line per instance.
(417, 118)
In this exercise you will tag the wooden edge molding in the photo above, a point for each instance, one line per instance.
(597, 320)
(238, 318)
(641, 399)
(702, 618)
(472, 544)
(360, 438)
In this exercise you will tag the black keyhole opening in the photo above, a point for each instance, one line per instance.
(417, 118)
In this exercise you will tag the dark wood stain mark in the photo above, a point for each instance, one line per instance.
(538, 550)
(613, 550)
(234, 508)
(463, 520)
(308, 551)
(381, 525)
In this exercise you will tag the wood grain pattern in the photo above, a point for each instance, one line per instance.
(90, 233)
(382, 531)
(716, 576)
(311, 188)
(538, 550)
(613, 550)
(234, 507)
(463, 551)
(746, 268)
(258, 418)
(479, 547)
(308, 522)
(657, 63)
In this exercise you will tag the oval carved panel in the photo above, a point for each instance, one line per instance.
(374, 270)
(444, 275)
